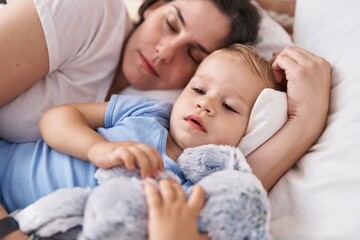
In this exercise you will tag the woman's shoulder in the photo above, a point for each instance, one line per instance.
(69, 17)
(70, 7)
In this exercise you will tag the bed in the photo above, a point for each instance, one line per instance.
(319, 198)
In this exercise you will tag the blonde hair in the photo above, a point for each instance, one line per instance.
(257, 64)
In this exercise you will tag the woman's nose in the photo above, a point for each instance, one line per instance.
(167, 49)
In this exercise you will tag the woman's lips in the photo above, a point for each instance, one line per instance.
(195, 122)
(147, 66)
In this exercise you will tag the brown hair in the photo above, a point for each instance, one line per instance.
(243, 16)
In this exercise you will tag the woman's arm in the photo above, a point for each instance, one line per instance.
(3, 213)
(308, 87)
(23, 56)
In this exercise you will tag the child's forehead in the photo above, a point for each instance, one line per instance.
(220, 60)
(224, 56)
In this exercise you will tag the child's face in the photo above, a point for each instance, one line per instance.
(215, 106)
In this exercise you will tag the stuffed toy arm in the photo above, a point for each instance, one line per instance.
(116, 210)
(57, 212)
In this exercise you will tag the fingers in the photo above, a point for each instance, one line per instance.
(153, 199)
(121, 156)
(283, 61)
(294, 62)
(179, 192)
(172, 192)
(148, 160)
(197, 198)
(167, 191)
(170, 214)
(295, 55)
(131, 154)
(152, 156)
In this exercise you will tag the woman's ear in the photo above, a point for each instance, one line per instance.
(153, 7)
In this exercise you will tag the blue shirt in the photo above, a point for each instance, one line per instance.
(29, 171)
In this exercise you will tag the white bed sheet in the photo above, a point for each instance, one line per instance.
(320, 197)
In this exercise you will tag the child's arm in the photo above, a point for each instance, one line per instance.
(308, 88)
(171, 216)
(70, 129)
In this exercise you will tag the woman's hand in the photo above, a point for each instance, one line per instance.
(171, 215)
(308, 80)
(129, 154)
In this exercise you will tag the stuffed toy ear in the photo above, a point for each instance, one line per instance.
(267, 116)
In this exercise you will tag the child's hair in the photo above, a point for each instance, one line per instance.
(258, 64)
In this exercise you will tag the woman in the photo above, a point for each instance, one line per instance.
(58, 55)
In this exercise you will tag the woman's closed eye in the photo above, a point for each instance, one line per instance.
(196, 55)
(171, 26)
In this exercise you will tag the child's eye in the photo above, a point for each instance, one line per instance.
(229, 108)
(199, 91)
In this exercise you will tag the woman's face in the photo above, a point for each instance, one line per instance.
(166, 49)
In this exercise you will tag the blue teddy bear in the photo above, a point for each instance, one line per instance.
(236, 205)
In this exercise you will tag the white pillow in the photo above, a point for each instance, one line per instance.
(320, 197)
(268, 115)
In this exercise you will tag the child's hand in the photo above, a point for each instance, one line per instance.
(171, 216)
(129, 154)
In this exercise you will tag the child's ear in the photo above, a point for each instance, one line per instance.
(153, 7)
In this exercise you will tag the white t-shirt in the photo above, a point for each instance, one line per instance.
(84, 40)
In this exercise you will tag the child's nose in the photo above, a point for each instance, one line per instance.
(207, 106)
